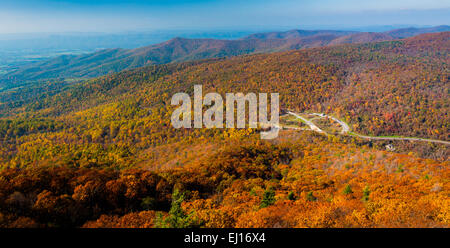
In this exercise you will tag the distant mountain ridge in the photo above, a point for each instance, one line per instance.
(409, 32)
(180, 49)
(297, 34)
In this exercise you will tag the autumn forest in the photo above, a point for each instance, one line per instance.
(101, 151)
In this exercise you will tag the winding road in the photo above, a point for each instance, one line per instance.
(346, 130)
(307, 122)
(401, 138)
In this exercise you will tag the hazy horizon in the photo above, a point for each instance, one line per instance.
(112, 16)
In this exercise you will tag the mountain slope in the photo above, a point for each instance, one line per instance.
(382, 88)
(115, 60)
(179, 49)
(361, 38)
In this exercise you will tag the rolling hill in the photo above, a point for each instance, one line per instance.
(179, 49)
(381, 88)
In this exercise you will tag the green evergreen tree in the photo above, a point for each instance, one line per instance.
(348, 190)
(366, 193)
(268, 198)
(177, 218)
(291, 196)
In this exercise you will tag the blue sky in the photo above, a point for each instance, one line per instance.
(18, 16)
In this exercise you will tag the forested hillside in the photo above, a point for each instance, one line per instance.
(102, 152)
(179, 49)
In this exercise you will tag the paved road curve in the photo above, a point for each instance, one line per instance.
(307, 122)
(346, 129)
